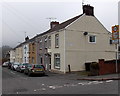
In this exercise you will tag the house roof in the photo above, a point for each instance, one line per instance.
(61, 25)
(56, 28)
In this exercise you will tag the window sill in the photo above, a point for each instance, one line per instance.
(56, 46)
(56, 67)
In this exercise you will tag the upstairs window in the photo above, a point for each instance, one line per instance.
(111, 41)
(49, 42)
(46, 42)
(57, 41)
(92, 39)
(33, 47)
(40, 43)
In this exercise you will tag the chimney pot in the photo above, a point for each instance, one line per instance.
(27, 38)
(53, 24)
(88, 10)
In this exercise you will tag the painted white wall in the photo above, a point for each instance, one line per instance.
(26, 53)
(12, 56)
(59, 50)
(79, 50)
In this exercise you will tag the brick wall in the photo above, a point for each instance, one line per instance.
(108, 67)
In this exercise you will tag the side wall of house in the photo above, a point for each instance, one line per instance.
(78, 48)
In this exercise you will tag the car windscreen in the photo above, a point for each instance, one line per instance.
(16, 64)
(25, 64)
(38, 66)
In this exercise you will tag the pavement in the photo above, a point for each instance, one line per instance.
(87, 78)
(101, 77)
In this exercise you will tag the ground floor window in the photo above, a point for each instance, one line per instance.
(57, 61)
(33, 60)
(41, 60)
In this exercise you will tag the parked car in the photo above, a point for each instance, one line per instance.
(9, 65)
(5, 64)
(15, 65)
(21, 67)
(32, 69)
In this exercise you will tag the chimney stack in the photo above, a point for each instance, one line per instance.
(88, 10)
(27, 38)
(53, 24)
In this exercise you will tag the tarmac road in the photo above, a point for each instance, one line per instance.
(17, 83)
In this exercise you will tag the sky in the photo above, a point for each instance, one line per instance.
(22, 18)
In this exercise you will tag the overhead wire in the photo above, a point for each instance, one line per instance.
(21, 16)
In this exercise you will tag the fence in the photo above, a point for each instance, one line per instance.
(108, 67)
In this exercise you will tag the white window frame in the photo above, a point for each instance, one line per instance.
(49, 42)
(40, 43)
(46, 41)
(89, 39)
(56, 40)
(58, 57)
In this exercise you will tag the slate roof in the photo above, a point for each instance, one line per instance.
(56, 28)
(61, 25)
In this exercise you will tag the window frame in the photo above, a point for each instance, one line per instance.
(40, 43)
(56, 56)
(56, 40)
(45, 43)
(89, 39)
(49, 42)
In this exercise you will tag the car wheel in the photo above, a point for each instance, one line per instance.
(24, 72)
(43, 74)
(29, 73)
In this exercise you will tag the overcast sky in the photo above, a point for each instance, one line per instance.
(31, 16)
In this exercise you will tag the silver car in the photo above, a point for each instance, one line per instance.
(21, 67)
(15, 65)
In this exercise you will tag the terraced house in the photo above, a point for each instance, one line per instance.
(26, 50)
(32, 51)
(12, 55)
(71, 44)
(74, 42)
(19, 54)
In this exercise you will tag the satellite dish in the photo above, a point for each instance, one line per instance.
(85, 33)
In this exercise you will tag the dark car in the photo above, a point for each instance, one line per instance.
(21, 67)
(9, 65)
(32, 69)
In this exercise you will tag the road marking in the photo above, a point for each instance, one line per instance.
(12, 72)
(43, 84)
(97, 82)
(52, 87)
(43, 89)
(109, 81)
(80, 83)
